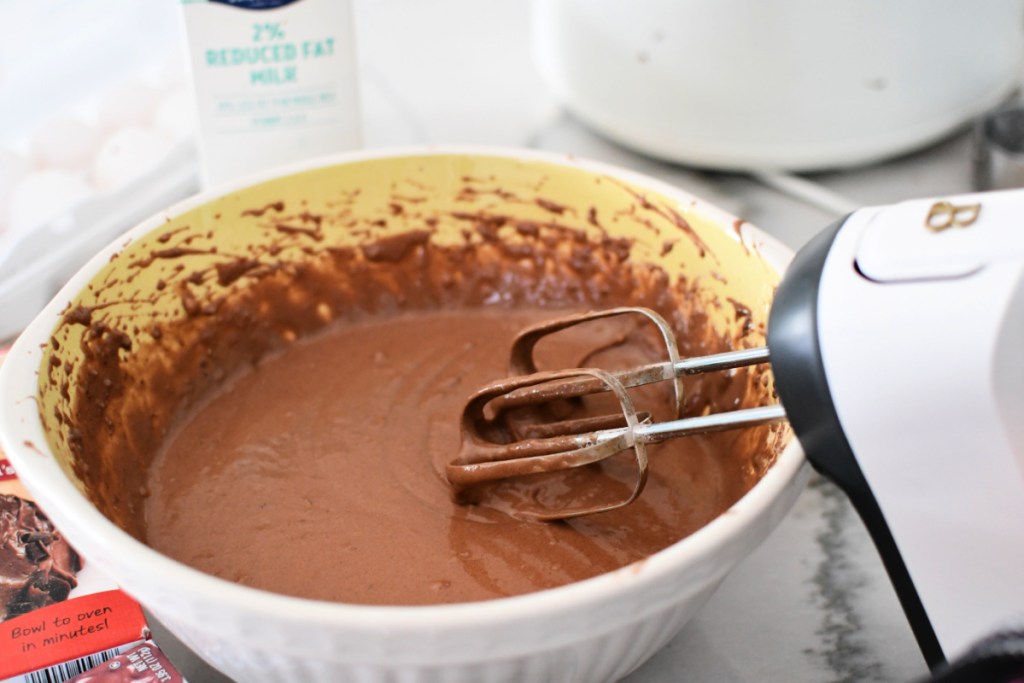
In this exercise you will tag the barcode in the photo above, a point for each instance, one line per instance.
(68, 670)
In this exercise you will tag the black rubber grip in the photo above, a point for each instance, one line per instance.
(803, 388)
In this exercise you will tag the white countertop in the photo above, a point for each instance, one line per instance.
(812, 604)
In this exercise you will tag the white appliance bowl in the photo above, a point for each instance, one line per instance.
(797, 85)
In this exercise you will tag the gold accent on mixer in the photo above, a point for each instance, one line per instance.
(944, 215)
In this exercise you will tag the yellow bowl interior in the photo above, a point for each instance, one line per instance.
(147, 286)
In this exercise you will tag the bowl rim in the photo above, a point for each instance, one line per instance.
(23, 440)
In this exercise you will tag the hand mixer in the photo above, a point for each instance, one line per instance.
(896, 339)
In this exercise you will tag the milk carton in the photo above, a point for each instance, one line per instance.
(275, 82)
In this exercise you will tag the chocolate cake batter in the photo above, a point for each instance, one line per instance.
(318, 474)
(284, 421)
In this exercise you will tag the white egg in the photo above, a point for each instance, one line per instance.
(176, 113)
(13, 169)
(128, 103)
(63, 142)
(127, 154)
(42, 196)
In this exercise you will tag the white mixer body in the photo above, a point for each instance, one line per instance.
(920, 323)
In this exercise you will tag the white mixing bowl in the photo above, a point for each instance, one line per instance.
(595, 630)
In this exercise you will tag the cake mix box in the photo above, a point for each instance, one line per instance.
(60, 618)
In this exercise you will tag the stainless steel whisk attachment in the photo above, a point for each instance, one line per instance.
(497, 446)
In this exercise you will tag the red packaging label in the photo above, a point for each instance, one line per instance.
(69, 630)
(144, 663)
(6, 471)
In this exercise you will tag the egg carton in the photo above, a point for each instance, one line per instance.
(96, 133)
(35, 264)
